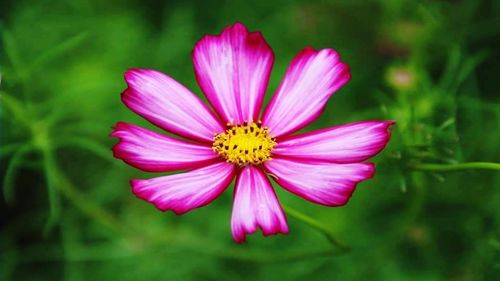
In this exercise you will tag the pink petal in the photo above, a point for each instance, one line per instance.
(153, 152)
(354, 142)
(255, 205)
(233, 71)
(169, 105)
(312, 77)
(184, 192)
(319, 182)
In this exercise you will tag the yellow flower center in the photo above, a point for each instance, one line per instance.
(245, 144)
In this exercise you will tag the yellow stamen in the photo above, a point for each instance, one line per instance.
(245, 144)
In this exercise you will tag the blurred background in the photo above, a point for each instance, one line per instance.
(430, 213)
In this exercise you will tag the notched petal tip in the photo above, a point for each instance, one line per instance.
(136, 187)
(345, 72)
(370, 170)
(119, 126)
(387, 128)
(256, 206)
(233, 70)
(117, 131)
(129, 75)
(133, 73)
(389, 124)
(144, 196)
(236, 27)
(127, 96)
(369, 174)
(253, 39)
(241, 238)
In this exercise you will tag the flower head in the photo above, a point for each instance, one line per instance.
(233, 71)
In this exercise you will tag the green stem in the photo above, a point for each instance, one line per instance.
(53, 196)
(80, 201)
(316, 225)
(456, 167)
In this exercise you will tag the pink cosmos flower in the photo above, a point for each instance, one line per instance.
(233, 71)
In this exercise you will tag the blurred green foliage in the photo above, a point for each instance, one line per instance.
(67, 209)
